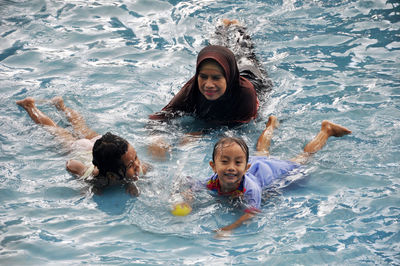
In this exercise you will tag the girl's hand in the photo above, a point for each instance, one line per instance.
(222, 233)
(191, 137)
(159, 148)
(132, 189)
(226, 230)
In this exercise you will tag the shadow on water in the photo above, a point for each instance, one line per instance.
(17, 46)
(113, 200)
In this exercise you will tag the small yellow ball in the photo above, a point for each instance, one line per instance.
(181, 209)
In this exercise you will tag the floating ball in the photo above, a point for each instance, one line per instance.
(181, 209)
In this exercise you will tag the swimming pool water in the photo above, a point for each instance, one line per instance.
(116, 62)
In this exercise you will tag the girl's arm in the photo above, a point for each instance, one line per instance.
(78, 168)
(191, 136)
(182, 203)
(245, 217)
(132, 189)
(224, 231)
(159, 148)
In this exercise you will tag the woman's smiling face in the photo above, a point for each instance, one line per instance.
(211, 80)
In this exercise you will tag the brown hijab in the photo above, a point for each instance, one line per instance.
(239, 103)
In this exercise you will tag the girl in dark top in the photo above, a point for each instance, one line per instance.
(221, 91)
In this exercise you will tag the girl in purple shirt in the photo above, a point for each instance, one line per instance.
(236, 174)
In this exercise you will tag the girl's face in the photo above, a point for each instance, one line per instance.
(132, 163)
(211, 80)
(230, 166)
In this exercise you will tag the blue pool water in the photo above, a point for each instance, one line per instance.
(116, 62)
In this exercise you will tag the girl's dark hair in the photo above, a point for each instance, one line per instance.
(107, 153)
(228, 140)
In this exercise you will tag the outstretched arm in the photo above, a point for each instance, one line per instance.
(179, 105)
(183, 207)
(132, 189)
(245, 217)
(75, 167)
(226, 230)
(158, 148)
(78, 168)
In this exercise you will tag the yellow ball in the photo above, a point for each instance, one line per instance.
(181, 209)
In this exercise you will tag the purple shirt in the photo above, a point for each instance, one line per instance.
(261, 174)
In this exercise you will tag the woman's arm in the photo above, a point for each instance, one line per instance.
(180, 104)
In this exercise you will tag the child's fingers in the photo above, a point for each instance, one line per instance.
(219, 233)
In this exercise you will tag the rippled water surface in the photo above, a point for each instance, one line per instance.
(116, 62)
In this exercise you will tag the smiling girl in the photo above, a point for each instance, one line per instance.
(114, 162)
(238, 175)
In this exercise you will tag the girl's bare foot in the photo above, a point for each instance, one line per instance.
(333, 129)
(272, 122)
(228, 22)
(37, 116)
(26, 103)
(235, 22)
(58, 103)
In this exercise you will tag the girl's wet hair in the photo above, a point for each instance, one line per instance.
(229, 140)
(107, 153)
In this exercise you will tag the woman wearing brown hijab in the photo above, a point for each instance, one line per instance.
(219, 92)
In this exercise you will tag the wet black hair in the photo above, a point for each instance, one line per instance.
(228, 140)
(107, 152)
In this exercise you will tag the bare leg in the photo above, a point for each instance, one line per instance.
(77, 121)
(264, 141)
(233, 35)
(40, 118)
(328, 129)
